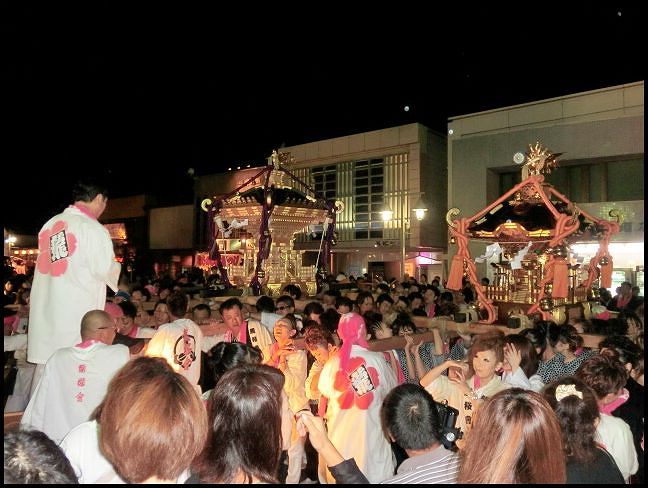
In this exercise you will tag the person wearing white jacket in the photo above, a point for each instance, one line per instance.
(606, 376)
(180, 341)
(293, 364)
(75, 263)
(76, 379)
(521, 364)
(355, 381)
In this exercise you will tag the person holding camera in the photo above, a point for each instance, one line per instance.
(411, 418)
(468, 384)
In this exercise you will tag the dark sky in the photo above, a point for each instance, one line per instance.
(145, 93)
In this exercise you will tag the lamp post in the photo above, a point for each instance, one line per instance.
(419, 211)
(10, 241)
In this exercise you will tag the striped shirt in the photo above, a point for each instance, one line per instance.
(435, 467)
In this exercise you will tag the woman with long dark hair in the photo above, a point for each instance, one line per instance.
(245, 439)
(577, 411)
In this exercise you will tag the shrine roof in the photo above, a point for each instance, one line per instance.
(281, 197)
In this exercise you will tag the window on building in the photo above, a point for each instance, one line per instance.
(625, 180)
(368, 188)
(325, 181)
(508, 180)
(602, 181)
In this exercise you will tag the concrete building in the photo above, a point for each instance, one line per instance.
(601, 136)
(391, 168)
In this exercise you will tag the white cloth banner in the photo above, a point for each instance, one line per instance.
(491, 251)
(234, 224)
(516, 261)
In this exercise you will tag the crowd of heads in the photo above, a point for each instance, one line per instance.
(240, 436)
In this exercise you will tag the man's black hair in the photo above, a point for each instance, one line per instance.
(265, 304)
(86, 189)
(293, 290)
(30, 457)
(129, 308)
(410, 415)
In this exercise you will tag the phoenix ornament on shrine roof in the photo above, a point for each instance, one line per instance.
(540, 160)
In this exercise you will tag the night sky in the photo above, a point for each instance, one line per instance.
(145, 93)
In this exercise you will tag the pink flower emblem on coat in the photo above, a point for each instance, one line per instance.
(55, 245)
(357, 385)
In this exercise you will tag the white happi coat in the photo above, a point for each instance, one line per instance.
(357, 432)
(73, 384)
(81, 447)
(167, 343)
(75, 264)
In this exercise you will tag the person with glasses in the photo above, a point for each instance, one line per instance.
(76, 378)
(285, 306)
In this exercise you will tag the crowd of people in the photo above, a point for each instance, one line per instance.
(294, 389)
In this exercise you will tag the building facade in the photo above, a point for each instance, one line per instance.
(601, 136)
(397, 168)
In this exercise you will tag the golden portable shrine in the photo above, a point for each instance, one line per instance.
(265, 213)
(531, 228)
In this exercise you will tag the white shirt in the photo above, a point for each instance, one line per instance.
(356, 432)
(75, 264)
(81, 446)
(260, 337)
(167, 343)
(443, 389)
(15, 342)
(210, 341)
(74, 382)
(315, 370)
(268, 319)
(616, 437)
(520, 380)
(295, 374)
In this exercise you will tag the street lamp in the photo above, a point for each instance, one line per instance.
(419, 211)
(10, 240)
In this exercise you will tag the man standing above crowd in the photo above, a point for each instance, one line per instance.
(76, 261)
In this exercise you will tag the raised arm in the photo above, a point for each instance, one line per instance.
(344, 471)
(434, 373)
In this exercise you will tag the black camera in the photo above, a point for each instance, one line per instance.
(460, 317)
(514, 322)
(450, 433)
